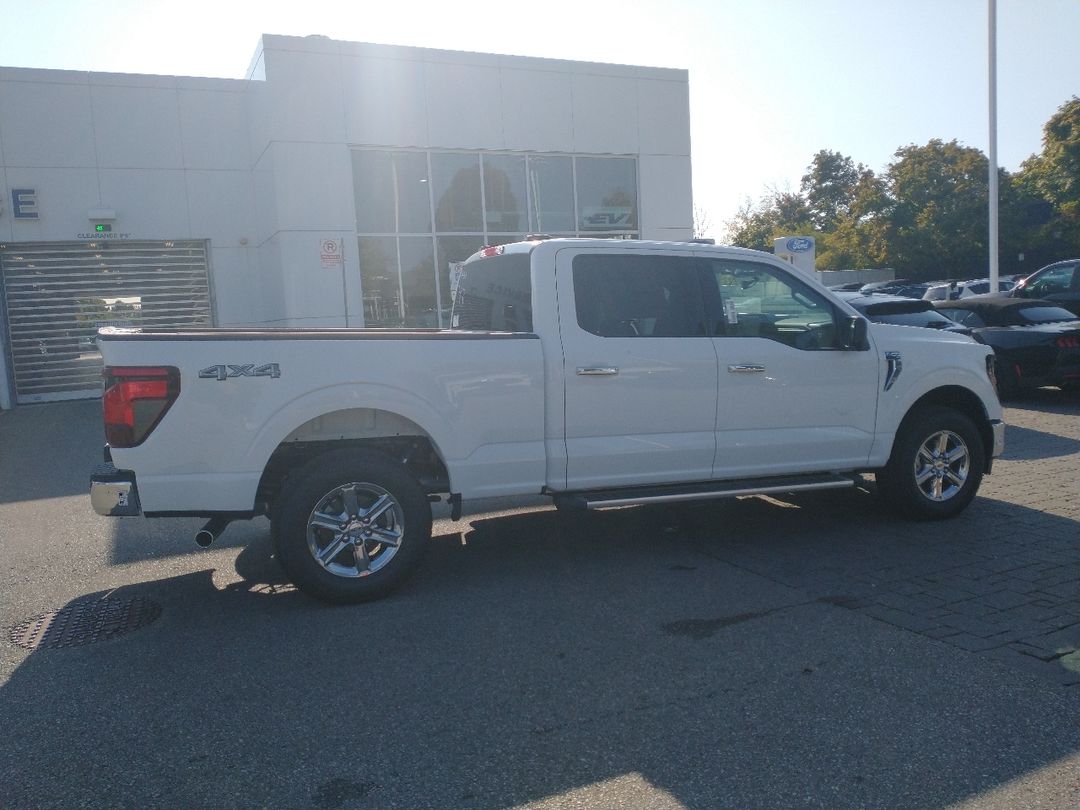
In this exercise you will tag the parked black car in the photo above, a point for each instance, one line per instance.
(903, 287)
(896, 309)
(1035, 342)
(1058, 282)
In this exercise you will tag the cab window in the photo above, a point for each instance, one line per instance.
(494, 294)
(752, 299)
(638, 295)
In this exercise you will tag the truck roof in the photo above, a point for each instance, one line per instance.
(529, 245)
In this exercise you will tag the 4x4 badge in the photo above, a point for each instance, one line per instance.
(227, 370)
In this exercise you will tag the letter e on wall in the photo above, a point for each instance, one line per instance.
(24, 203)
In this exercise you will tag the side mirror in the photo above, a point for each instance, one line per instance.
(853, 334)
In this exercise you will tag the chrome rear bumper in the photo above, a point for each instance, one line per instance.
(113, 492)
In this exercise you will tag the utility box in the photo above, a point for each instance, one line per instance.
(800, 251)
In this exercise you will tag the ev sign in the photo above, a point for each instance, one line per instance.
(797, 250)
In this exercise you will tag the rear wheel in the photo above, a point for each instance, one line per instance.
(936, 465)
(351, 526)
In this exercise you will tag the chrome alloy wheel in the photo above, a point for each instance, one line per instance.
(355, 529)
(942, 465)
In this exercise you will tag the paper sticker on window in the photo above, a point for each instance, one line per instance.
(730, 315)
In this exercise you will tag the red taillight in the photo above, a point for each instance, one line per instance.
(1068, 342)
(135, 400)
(492, 250)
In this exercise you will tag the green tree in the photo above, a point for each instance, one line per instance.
(858, 236)
(938, 222)
(780, 213)
(829, 188)
(1049, 189)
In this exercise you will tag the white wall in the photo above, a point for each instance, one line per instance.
(170, 155)
(261, 167)
(322, 97)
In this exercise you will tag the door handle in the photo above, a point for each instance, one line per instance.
(746, 368)
(597, 371)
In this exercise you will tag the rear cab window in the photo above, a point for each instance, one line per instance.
(493, 294)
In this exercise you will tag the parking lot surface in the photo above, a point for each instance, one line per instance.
(809, 651)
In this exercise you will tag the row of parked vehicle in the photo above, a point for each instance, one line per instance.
(1031, 323)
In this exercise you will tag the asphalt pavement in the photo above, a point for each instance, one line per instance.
(793, 652)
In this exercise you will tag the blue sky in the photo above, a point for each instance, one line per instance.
(771, 81)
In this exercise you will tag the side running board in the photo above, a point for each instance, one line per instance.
(633, 496)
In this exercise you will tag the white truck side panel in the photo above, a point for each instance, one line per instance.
(480, 400)
(926, 366)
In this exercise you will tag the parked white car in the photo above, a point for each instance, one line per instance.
(601, 373)
(953, 290)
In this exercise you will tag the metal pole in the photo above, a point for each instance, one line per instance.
(993, 159)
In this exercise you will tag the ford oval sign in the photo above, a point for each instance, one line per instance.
(800, 244)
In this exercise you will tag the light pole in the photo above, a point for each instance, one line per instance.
(993, 237)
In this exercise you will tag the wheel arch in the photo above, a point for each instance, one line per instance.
(963, 400)
(385, 432)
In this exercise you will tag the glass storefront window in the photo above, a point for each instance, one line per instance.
(418, 281)
(381, 179)
(379, 281)
(607, 194)
(414, 224)
(551, 183)
(373, 188)
(504, 193)
(414, 200)
(456, 180)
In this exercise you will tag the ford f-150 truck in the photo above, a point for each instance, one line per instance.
(599, 372)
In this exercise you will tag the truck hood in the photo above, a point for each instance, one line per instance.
(916, 335)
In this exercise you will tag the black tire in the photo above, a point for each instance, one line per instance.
(370, 508)
(936, 465)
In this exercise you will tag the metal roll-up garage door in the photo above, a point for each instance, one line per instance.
(56, 295)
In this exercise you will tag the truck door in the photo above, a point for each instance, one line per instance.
(790, 398)
(640, 369)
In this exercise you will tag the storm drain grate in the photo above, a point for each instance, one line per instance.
(85, 622)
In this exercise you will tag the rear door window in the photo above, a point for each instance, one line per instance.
(638, 295)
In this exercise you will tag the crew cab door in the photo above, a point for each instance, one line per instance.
(639, 369)
(790, 399)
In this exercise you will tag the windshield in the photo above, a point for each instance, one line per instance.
(928, 318)
(1045, 315)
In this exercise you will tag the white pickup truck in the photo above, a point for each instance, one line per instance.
(598, 372)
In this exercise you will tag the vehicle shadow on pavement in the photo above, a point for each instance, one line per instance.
(1026, 444)
(1045, 400)
(730, 654)
(49, 450)
(137, 539)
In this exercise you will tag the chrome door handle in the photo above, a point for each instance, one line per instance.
(597, 371)
(746, 368)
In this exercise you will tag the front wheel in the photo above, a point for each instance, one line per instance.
(936, 465)
(351, 526)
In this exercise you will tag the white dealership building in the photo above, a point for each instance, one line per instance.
(336, 185)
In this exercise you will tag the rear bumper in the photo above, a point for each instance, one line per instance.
(113, 492)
